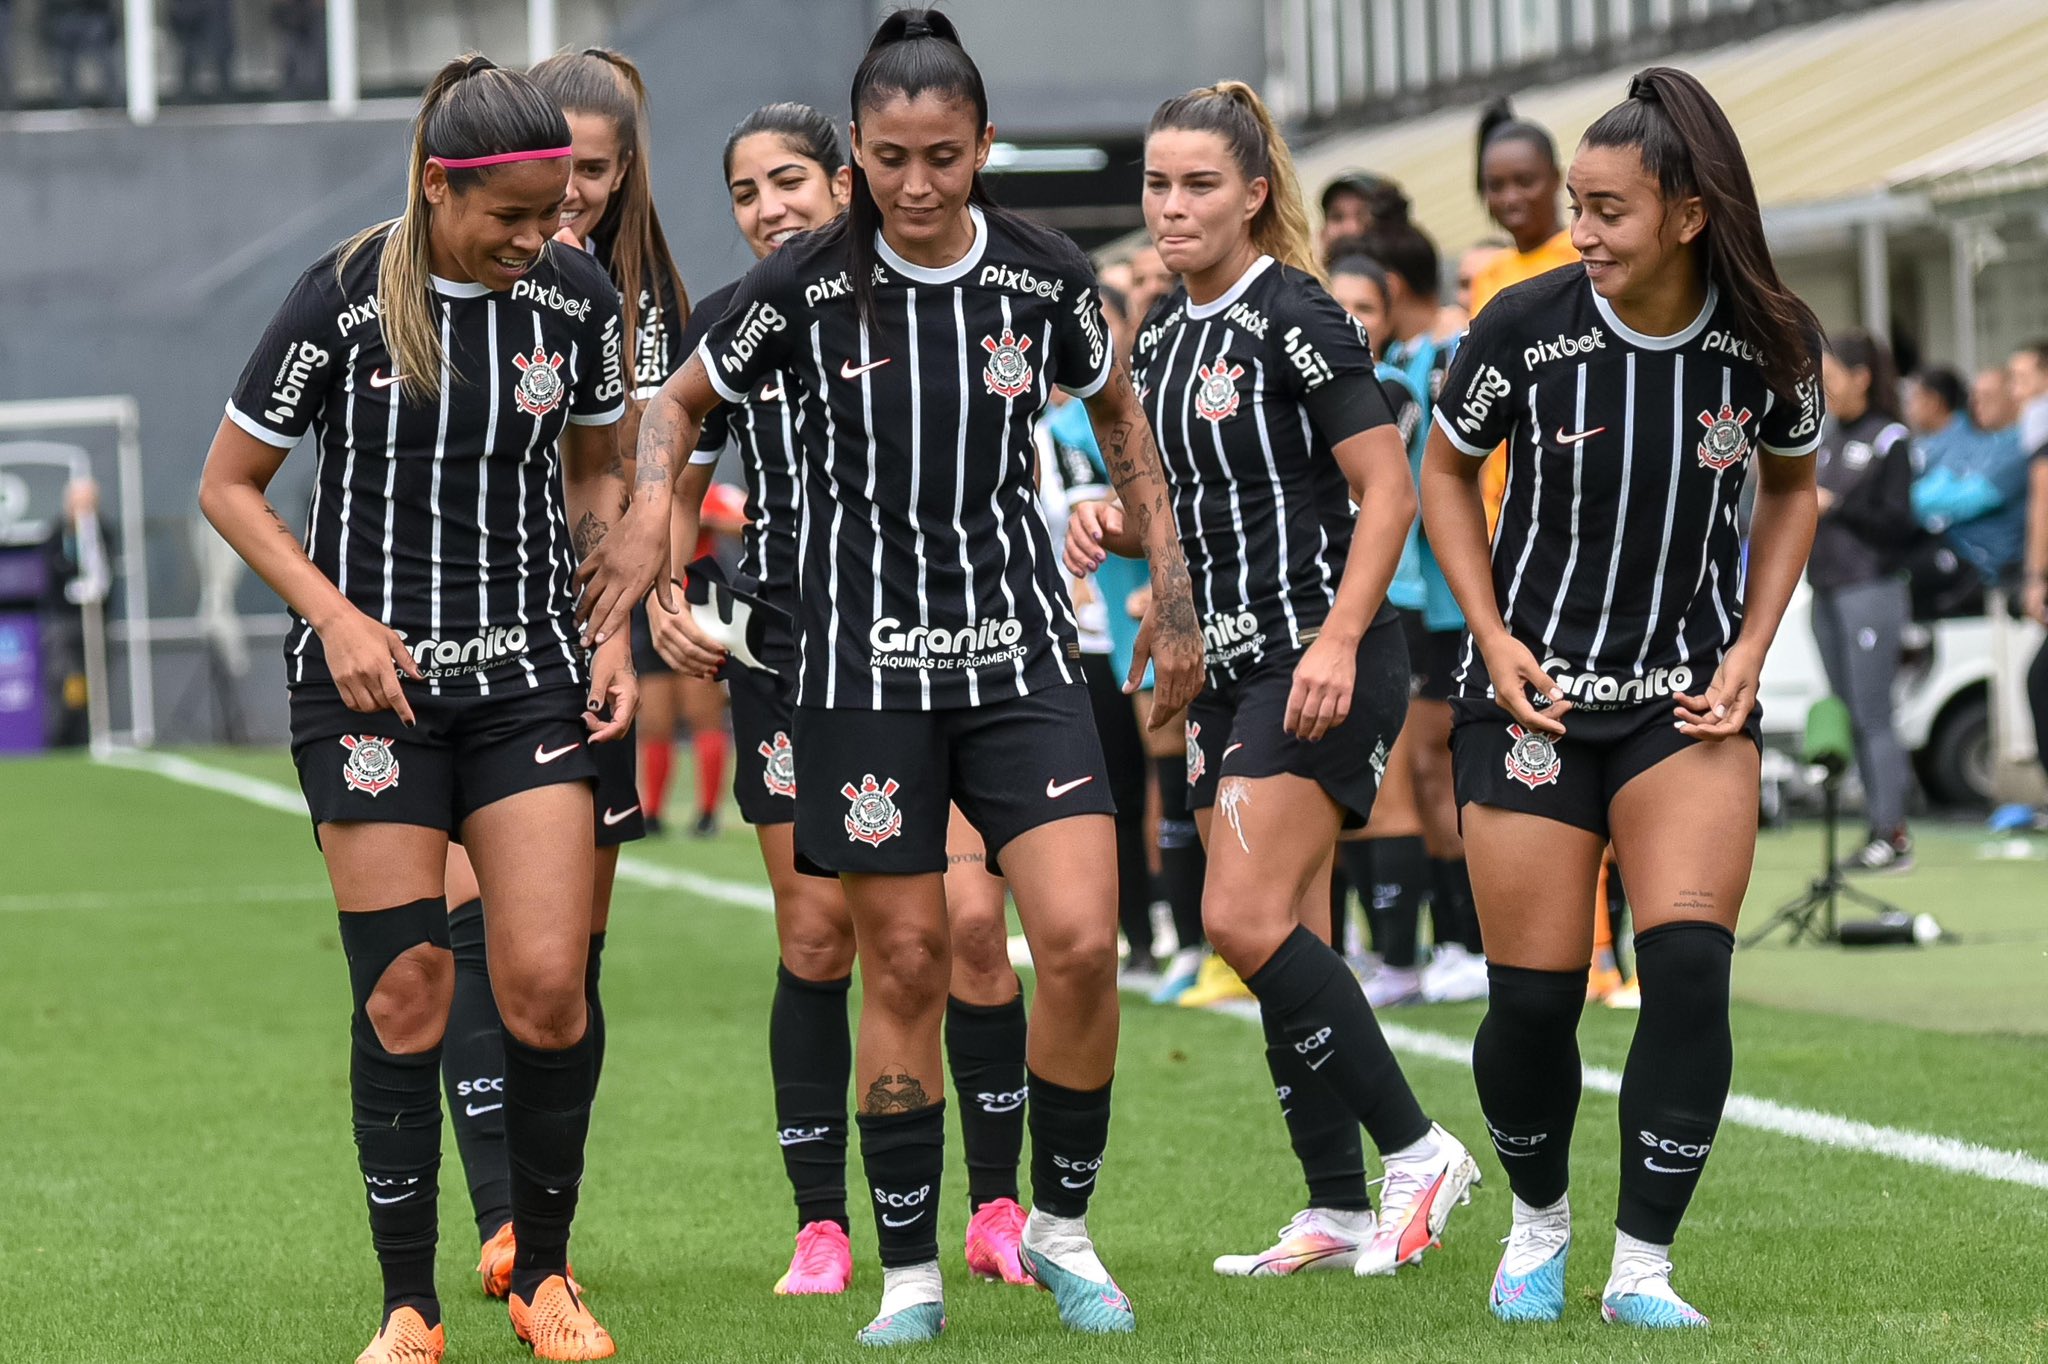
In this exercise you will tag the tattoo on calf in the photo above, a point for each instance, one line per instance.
(897, 1092)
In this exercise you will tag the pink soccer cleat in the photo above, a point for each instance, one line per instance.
(994, 1237)
(823, 1262)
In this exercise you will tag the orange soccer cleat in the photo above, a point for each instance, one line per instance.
(405, 1339)
(557, 1325)
(495, 1264)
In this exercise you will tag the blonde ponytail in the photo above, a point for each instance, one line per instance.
(1233, 111)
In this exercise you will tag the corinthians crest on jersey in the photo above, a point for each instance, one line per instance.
(1727, 438)
(540, 382)
(873, 818)
(371, 767)
(1007, 373)
(1216, 394)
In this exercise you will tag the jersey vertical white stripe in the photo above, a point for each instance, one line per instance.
(1281, 557)
(1628, 445)
(1571, 563)
(1678, 439)
(924, 613)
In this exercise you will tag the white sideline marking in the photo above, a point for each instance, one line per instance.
(67, 901)
(1765, 1115)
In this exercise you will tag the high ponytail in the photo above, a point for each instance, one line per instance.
(606, 84)
(1233, 111)
(1497, 123)
(1689, 148)
(472, 108)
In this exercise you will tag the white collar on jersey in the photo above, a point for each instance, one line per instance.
(944, 274)
(456, 289)
(1647, 342)
(1201, 311)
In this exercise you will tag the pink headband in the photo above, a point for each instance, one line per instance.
(473, 162)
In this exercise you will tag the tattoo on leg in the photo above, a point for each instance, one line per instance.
(897, 1092)
(1232, 795)
(588, 534)
(962, 859)
(1695, 902)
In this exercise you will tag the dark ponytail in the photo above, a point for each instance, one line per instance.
(802, 129)
(1689, 148)
(913, 50)
(1497, 123)
(1858, 349)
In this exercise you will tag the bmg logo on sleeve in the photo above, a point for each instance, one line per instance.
(761, 321)
(1488, 386)
(288, 389)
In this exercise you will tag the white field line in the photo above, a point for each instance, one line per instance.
(1765, 1115)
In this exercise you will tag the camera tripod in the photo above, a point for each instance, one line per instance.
(1812, 915)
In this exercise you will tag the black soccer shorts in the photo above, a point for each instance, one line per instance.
(873, 786)
(1236, 728)
(464, 753)
(1432, 658)
(1574, 778)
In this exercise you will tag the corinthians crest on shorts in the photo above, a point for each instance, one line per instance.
(371, 767)
(778, 772)
(1197, 764)
(540, 382)
(1007, 373)
(873, 818)
(1532, 758)
(1216, 395)
(1727, 440)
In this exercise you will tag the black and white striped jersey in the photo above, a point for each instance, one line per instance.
(444, 519)
(928, 580)
(765, 428)
(1247, 394)
(1618, 559)
(658, 326)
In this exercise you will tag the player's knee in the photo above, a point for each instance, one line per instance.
(408, 1009)
(1078, 957)
(1246, 923)
(815, 930)
(549, 1015)
(905, 970)
(1685, 965)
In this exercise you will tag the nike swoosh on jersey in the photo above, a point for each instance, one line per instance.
(476, 1111)
(770, 395)
(1563, 439)
(613, 818)
(849, 370)
(543, 756)
(1230, 750)
(1054, 790)
(379, 380)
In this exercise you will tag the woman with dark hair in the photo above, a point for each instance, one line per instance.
(1608, 689)
(1273, 423)
(1520, 180)
(464, 377)
(937, 660)
(1861, 602)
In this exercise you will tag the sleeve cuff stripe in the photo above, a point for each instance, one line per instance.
(1102, 378)
(1443, 424)
(1793, 451)
(725, 390)
(605, 418)
(259, 430)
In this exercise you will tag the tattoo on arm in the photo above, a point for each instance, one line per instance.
(288, 532)
(895, 1092)
(589, 533)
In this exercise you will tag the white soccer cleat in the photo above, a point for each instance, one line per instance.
(1392, 986)
(1317, 1239)
(1416, 1198)
(1454, 976)
(1639, 1294)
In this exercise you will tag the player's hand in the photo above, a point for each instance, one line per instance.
(2034, 601)
(567, 237)
(682, 642)
(614, 686)
(1175, 653)
(1089, 524)
(365, 657)
(618, 572)
(1515, 673)
(1723, 709)
(1320, 699)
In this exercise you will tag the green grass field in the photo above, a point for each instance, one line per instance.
(177, 1180)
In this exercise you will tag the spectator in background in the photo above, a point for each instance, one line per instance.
(1150, 282)
(1972, 492)
(1864, 467)
(1355, 201)
(205, 34)
(81, 31)
(1520, 182)
(302, 32)
(1991, 405)
(1453, 317)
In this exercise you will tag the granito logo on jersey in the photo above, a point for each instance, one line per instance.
(760, 321)
(371, 767)
(355, 315)
(1197, 764)
(450, 657)
(1532, 758)
(778, 772)
(1021, 282)
(551, 296)
(1727, 440)
(540, 382)
(1216, 395)
(1488, 385)
(288, 389)
(820, 289)
(998, 639)
(1315, 370)
(873, 818)
(1563, 348)
(1602, 691)
(1231, 634)
(1007, 373)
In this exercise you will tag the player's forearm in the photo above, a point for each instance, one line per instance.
(243, 515)
(1454, 518)
(686, 518)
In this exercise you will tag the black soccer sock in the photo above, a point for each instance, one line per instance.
(1324, 1017)
(1133, 884)
(591, 966)
(1355, 855)
(1525, 1063)
(1451, 892)
(1323, 1132)
(1069, 1131)
(1400, 878)
(810, 1057)
(1676, 1080)
(985, 1050)
(1183, 866)
(397, 1108)
(473, 1069)
(547, 1120)
(905, 1157)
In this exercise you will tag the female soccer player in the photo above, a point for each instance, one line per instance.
(1608, 691)
(1271, 422)
(464, 376)
(609, 211)
(937, 662)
